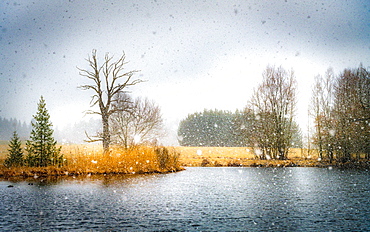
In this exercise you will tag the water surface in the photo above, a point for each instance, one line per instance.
(217, 199)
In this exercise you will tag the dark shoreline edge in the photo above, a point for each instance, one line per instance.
(362, 164)
(25, 172)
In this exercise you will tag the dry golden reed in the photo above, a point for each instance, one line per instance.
(87, 159)
(140, 159)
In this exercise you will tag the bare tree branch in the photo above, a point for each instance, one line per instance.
(135, 121)
(91, 140)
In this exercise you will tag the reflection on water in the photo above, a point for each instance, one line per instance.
(80, 179)
(196, 199)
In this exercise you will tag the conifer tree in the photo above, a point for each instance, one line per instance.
(41, 148)
(15, 155)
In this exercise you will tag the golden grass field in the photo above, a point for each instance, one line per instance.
(242, 156)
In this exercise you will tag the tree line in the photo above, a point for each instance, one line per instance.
(8, 126)
(341, 111)
(210, 128)
(221, 128)
(71, 133)
(266, 123)
(340, 108)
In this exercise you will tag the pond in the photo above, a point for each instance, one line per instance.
(197, 199)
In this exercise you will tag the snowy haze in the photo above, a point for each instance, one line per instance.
(193, 54)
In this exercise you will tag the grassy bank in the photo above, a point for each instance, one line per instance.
(244, 157)
(89, 159)
(238, 156)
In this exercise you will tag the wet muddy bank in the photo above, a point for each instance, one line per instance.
(26, 172)
(232, 162)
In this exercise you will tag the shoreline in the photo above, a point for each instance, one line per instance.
(245, 157)
(36, 172)
(45, 172)
(281, 163)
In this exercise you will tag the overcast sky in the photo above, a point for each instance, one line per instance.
(193, 54)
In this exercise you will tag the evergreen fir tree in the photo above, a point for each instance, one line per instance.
(41, 148)
(15, 155)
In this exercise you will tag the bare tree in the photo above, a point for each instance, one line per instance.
(340, 106)
(135, 121)
(109, 79)
(274, 105)
(321, 109)
(351, 117)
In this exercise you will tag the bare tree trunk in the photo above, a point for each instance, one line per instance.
(106, 133)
